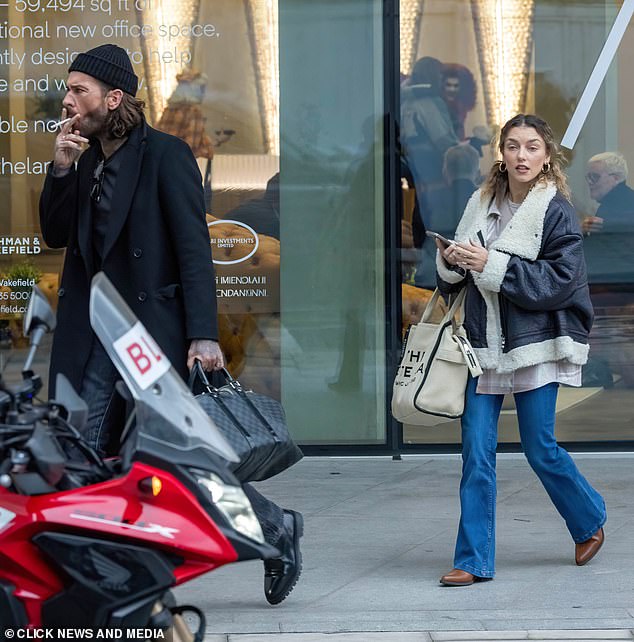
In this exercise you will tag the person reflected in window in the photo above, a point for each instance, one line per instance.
(443, 207)
(519, 254)
(412, 227)
(262, 214)
(459, 93)
(606, 176)
(609, 241)
(426, 128)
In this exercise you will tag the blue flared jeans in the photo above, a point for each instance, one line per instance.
(581, 506)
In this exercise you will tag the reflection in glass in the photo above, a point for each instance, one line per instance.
(504, 34)
(411, 13)
(164, 57)
(535, 56)
(262, 20)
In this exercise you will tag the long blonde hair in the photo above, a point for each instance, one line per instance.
(496, 183)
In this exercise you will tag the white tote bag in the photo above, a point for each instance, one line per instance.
(430, 384)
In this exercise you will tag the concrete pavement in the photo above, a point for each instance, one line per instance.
(469, 636)
(379, 533)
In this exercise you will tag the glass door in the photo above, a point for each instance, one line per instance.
(466, 67)
(332, 220)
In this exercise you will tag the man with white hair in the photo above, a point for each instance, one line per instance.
(606, 175)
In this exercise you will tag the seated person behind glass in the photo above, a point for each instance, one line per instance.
(606, 175)
(262, 214)
(610, 233)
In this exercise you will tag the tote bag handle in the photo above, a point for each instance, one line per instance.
(456, 305)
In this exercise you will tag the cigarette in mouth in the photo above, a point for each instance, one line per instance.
(62, 122)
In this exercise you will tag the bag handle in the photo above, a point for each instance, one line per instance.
(197, 373)
(451, 312)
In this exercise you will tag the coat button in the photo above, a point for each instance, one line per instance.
(61, 292)
(137, 252)
(142, 296)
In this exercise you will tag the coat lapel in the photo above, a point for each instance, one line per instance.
(84, 225)
(127, 179)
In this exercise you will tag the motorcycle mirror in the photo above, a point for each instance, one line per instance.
(38, 313)
(38, 320)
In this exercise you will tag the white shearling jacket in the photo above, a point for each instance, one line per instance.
(531, 304)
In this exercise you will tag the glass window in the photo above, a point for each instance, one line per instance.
(288, 140)
(208, 73)
(468, 66)
(332, 203)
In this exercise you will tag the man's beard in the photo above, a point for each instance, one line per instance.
(94, 123)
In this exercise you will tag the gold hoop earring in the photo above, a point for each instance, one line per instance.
(502, 168)
(546, 168)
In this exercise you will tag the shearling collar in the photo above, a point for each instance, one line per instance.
(523, 235)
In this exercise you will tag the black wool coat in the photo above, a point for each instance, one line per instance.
(157, 252)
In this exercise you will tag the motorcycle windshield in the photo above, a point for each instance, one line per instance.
(150, 377)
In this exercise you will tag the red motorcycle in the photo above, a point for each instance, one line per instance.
(93, 543)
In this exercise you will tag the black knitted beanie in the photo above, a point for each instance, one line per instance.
(111, 65)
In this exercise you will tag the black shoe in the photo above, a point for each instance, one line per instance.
(281, 574)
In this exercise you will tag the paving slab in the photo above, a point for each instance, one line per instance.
(482, 636)
(337, 637)
(436, 636)
(579, 635)
(485, 636)
(379, 533)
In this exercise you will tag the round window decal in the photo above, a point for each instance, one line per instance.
(231, 241)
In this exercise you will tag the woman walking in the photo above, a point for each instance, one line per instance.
(519, 253)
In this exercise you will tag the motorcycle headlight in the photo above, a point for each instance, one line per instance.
(234, 505)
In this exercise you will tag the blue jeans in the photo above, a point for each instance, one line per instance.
(104, 421)
(97, 390)
(582, 508)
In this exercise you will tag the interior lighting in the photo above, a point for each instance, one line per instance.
(410, 17)
(504, 36)
(263, 24)
(164, 57)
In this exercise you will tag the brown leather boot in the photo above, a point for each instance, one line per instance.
(456, 577)
(585, 551)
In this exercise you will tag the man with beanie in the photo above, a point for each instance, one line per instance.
(131, 205)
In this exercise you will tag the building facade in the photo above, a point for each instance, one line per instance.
(330, 134)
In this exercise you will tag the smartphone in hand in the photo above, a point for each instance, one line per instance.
(440, 237)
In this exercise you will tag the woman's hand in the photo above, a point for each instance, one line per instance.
(448, 252)
(470, 256)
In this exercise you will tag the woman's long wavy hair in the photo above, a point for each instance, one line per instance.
(128, 115)
(496, 183)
